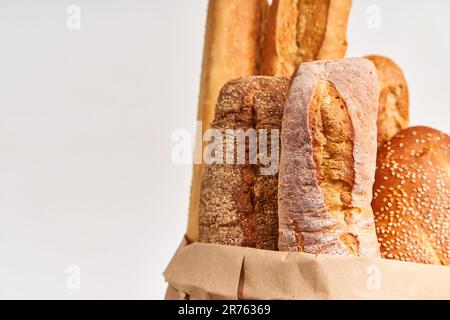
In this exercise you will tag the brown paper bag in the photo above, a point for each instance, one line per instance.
(207, 271)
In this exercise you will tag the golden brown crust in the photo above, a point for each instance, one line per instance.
(304, 30)
(239, 205)
(411, 199)
(232, 45)
(335, 44)
(393, 114)
(332, 140)
(327, 163)
(263, 21)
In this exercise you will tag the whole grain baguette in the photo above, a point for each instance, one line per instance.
(393, 114)
(238, 203)
(304, 30)
(328, 154)
(231, 49)
(411, 198)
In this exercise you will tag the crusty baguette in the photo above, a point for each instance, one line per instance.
(304, 30)
(411, 199)
(232, 41)
(238, 203)
(328, 154)
(393, 114)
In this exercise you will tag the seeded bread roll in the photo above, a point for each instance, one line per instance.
(411, 199)
(393, 114)
(232, 49)
(238, 203)
(328, 154)
(304, 30)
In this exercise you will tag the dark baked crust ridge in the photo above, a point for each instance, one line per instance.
(238, 206)
(231, 49)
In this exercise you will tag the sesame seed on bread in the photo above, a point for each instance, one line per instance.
(411, 199)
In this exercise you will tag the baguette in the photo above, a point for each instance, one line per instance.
(411, 199)
(232, 46)
(393, 114)
(304, 30)
(239, 204)
(327, 165)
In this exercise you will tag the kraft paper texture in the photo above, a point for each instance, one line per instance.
(207, 271)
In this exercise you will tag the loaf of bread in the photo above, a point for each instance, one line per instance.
(231, 50)
(393, 114)
(411, 199)
(304, 30)
(239, 200)
(328, 156)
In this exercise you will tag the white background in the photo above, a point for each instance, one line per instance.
(86, 119)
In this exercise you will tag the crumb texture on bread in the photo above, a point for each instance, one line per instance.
(328, 159)
(411, 199)
(332, 134)
(238, 205)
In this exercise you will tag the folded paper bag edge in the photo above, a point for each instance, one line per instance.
(190, 272)
(247, 273)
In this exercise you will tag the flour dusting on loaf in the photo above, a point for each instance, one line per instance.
(328, 155)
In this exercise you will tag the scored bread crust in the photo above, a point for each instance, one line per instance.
(304, 30)
(232, 49)
(411, 200)
(239, 205)
(393, 114)
(307, 221)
